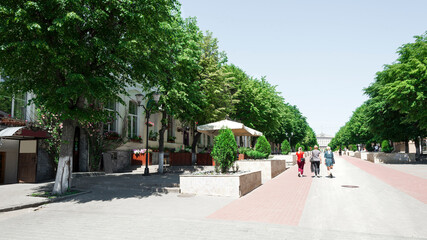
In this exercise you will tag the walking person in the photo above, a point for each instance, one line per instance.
(300, 162)
(315, 161)
(329, 161)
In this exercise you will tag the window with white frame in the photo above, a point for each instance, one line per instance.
(133, 119)
(20, 106)
(111, 124)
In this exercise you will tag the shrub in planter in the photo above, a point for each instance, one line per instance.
(286, 147)
(385, 146)
(299, 146)
(224, 150)
(244, 150)
(263, 146)
(254, 154)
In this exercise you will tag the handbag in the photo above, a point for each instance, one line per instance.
(302, 159)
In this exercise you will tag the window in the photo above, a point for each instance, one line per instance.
(20, 106)
(133, 119)
(111, 124)
(171, 132)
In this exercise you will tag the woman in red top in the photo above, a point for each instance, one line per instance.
(300, 155)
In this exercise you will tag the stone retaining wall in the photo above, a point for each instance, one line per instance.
(396, 158)
(269, 168)
(233, 185)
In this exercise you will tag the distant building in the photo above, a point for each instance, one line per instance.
(323, 140)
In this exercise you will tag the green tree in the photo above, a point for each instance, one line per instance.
(215, 102)
(263, 146)
(286, 148)
(298, 145)
(75, 55)
(225, 150)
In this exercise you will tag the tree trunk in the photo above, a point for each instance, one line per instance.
(196, 137)
(64, 170)
(417, 149)
(162, 131)
(406, 146)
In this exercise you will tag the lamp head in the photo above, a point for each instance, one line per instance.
(156, 97)
(139, 97)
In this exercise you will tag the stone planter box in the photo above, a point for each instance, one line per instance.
(290, 159)
(233, 185)
(357, 154)
(140, 159)
(368, 156)
(180, 159)
(205, 159)
(269, 168)
(116, 161)
(396, 158)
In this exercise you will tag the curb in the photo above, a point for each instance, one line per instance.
(45, 201)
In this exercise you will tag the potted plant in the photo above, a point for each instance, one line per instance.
(171, 139)
(136, 139)
(110, 135)
(150, 124)
(139, 156)
(152, 135)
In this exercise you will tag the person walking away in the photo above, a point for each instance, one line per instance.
(329, 161)
(315, 161)
(340, 151)
(300, 161)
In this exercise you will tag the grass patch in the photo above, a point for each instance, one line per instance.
(53, 196)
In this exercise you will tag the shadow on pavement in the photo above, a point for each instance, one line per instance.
(120, 186)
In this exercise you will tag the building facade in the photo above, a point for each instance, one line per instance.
(323, 140)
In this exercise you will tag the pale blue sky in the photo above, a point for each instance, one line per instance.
(320, 54)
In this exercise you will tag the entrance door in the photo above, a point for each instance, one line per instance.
(76, 150)
(186, 138)
(2, 166)
(27, 167)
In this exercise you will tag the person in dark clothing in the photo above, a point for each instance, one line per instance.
(315, 161)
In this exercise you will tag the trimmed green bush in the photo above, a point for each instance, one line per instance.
(254, 154)
(224, 150)
(385, 147)
(244, 150)
(286, 147)
(263, 146)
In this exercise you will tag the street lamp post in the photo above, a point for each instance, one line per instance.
(147, 109)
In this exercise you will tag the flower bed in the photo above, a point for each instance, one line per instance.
(180, 159)
(229, 185)
(205, 159)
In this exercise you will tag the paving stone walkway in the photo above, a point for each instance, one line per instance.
(124, 206)
(280, 201)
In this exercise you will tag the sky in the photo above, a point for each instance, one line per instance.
(320, 54)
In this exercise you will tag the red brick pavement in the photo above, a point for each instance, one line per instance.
(280, 200)
(410, 184)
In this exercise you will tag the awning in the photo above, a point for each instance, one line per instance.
(22, 133)
(237, 128)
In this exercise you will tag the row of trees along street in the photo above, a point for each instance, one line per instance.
(77, 55)
(396, 109)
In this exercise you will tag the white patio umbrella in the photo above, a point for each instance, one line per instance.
(237, 128)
